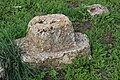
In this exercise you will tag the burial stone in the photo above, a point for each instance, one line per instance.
(51, 41)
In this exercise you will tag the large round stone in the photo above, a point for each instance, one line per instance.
(51, 41)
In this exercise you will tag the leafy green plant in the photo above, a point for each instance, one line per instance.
(10, 57)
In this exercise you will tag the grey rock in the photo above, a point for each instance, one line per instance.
(51, 32)
(51, 41)
(97, 9)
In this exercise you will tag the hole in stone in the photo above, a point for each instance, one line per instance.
(52, 22)
(92, 9)
(38, 30)
(44, 30)
(41, 31)
(51, 28)
(40, 22)
(101, 7)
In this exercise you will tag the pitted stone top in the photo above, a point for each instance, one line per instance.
(52, 32)
(47, 22)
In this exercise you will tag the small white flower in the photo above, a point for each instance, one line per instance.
(17, 6)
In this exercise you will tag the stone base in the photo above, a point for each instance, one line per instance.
(54, 59)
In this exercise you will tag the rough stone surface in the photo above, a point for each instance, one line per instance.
(96, 9)
(51, 41)
(51, 32)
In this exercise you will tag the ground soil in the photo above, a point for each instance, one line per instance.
(81, 26)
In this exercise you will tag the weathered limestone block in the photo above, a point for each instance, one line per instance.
(51, 41)
(51, 33)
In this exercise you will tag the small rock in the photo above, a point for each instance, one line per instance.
(96, 9)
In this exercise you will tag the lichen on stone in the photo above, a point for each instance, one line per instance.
(51, 40)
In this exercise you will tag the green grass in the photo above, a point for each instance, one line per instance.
(105, 61)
